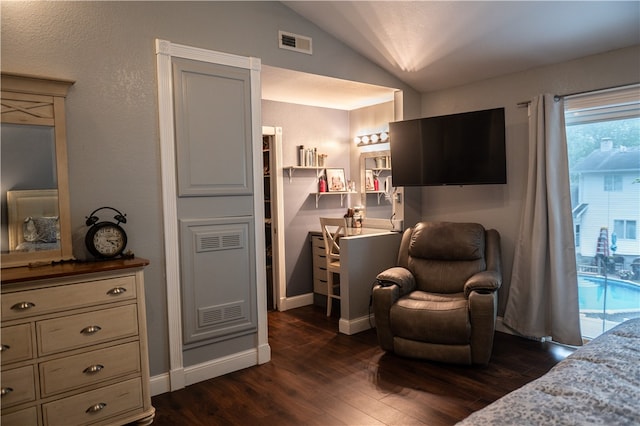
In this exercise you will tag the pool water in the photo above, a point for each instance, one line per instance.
(622, 296)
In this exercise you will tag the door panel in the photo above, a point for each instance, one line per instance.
(217, 257)
(213, 129)
(215, 202)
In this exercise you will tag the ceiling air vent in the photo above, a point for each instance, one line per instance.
(295, 42)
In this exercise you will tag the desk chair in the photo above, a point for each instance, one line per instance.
(332, 229)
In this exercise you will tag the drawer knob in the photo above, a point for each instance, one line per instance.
(95, 408)
(4, 348)
(23, 306)
(116, 291)
(92, 329)
(92, 369)
(5, 391)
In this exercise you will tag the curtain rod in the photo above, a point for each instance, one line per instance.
(527, 103)
(566, 95)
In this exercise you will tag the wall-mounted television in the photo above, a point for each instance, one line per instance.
(458, 149)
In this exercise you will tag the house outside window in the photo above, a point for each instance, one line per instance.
(603, 141)
(613, 183)
(625, 229)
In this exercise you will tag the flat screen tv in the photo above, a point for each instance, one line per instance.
(458, 149)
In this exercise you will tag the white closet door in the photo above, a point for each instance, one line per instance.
(211, 147)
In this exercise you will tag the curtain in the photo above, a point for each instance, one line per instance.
(543, 295)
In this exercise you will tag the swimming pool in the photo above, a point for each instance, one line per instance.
(622, 296)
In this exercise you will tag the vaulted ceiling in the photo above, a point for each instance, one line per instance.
(431, 45)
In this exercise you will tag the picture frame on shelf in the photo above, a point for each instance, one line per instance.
(336, 181)
(368, 180)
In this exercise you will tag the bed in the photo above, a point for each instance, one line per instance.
(33, 223)
(598, 384)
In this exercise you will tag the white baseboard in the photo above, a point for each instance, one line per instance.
(208, 370)
(295, 301)
(348, 327)
(357, 325)
(264, 353)
(160, 384)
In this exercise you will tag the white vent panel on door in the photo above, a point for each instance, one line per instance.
(219, 283)
(214, 315)
(295, 42)
(212, 241)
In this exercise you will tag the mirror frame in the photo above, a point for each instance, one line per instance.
(363, 157)
(40, 101)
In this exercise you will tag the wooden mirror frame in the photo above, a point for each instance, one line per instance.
(40, 101)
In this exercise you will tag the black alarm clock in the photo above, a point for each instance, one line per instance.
(106, 239)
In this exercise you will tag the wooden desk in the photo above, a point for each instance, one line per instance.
(364, 253)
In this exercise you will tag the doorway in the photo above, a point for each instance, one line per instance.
(290, 89)
(273, 216)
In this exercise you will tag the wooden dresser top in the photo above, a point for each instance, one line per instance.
(66, 269)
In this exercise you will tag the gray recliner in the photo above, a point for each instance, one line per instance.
(440, 302)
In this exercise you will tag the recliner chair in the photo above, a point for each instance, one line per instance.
(440, 302)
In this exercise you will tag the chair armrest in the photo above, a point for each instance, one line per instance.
(399, 276)
(485, 281)
(390, 286)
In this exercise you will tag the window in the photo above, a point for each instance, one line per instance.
(612, 183)
(625, 229)
(603, 143)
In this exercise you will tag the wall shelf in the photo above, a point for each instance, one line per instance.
(379, 194)
(291, 169)
(319, 172)
(377, 171)
(342, 194)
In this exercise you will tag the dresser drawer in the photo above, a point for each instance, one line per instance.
(18, 385)
(317, 249)
(320, 286)
(92, 367)
(17, 344)
(26, 417)
(93, 406)
(320, 272)
(80, 330)
(23, 304)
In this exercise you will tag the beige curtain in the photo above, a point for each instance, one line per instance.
(543, 296)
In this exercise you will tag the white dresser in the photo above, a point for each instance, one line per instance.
(74, 345)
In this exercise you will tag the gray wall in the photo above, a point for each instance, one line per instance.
(499, 206)
(331, 131)
(112, 110)
(328, 130)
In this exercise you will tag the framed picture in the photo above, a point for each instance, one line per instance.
(368, 180)
(335, 180)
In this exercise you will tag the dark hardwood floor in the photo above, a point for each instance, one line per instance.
(320, 377)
